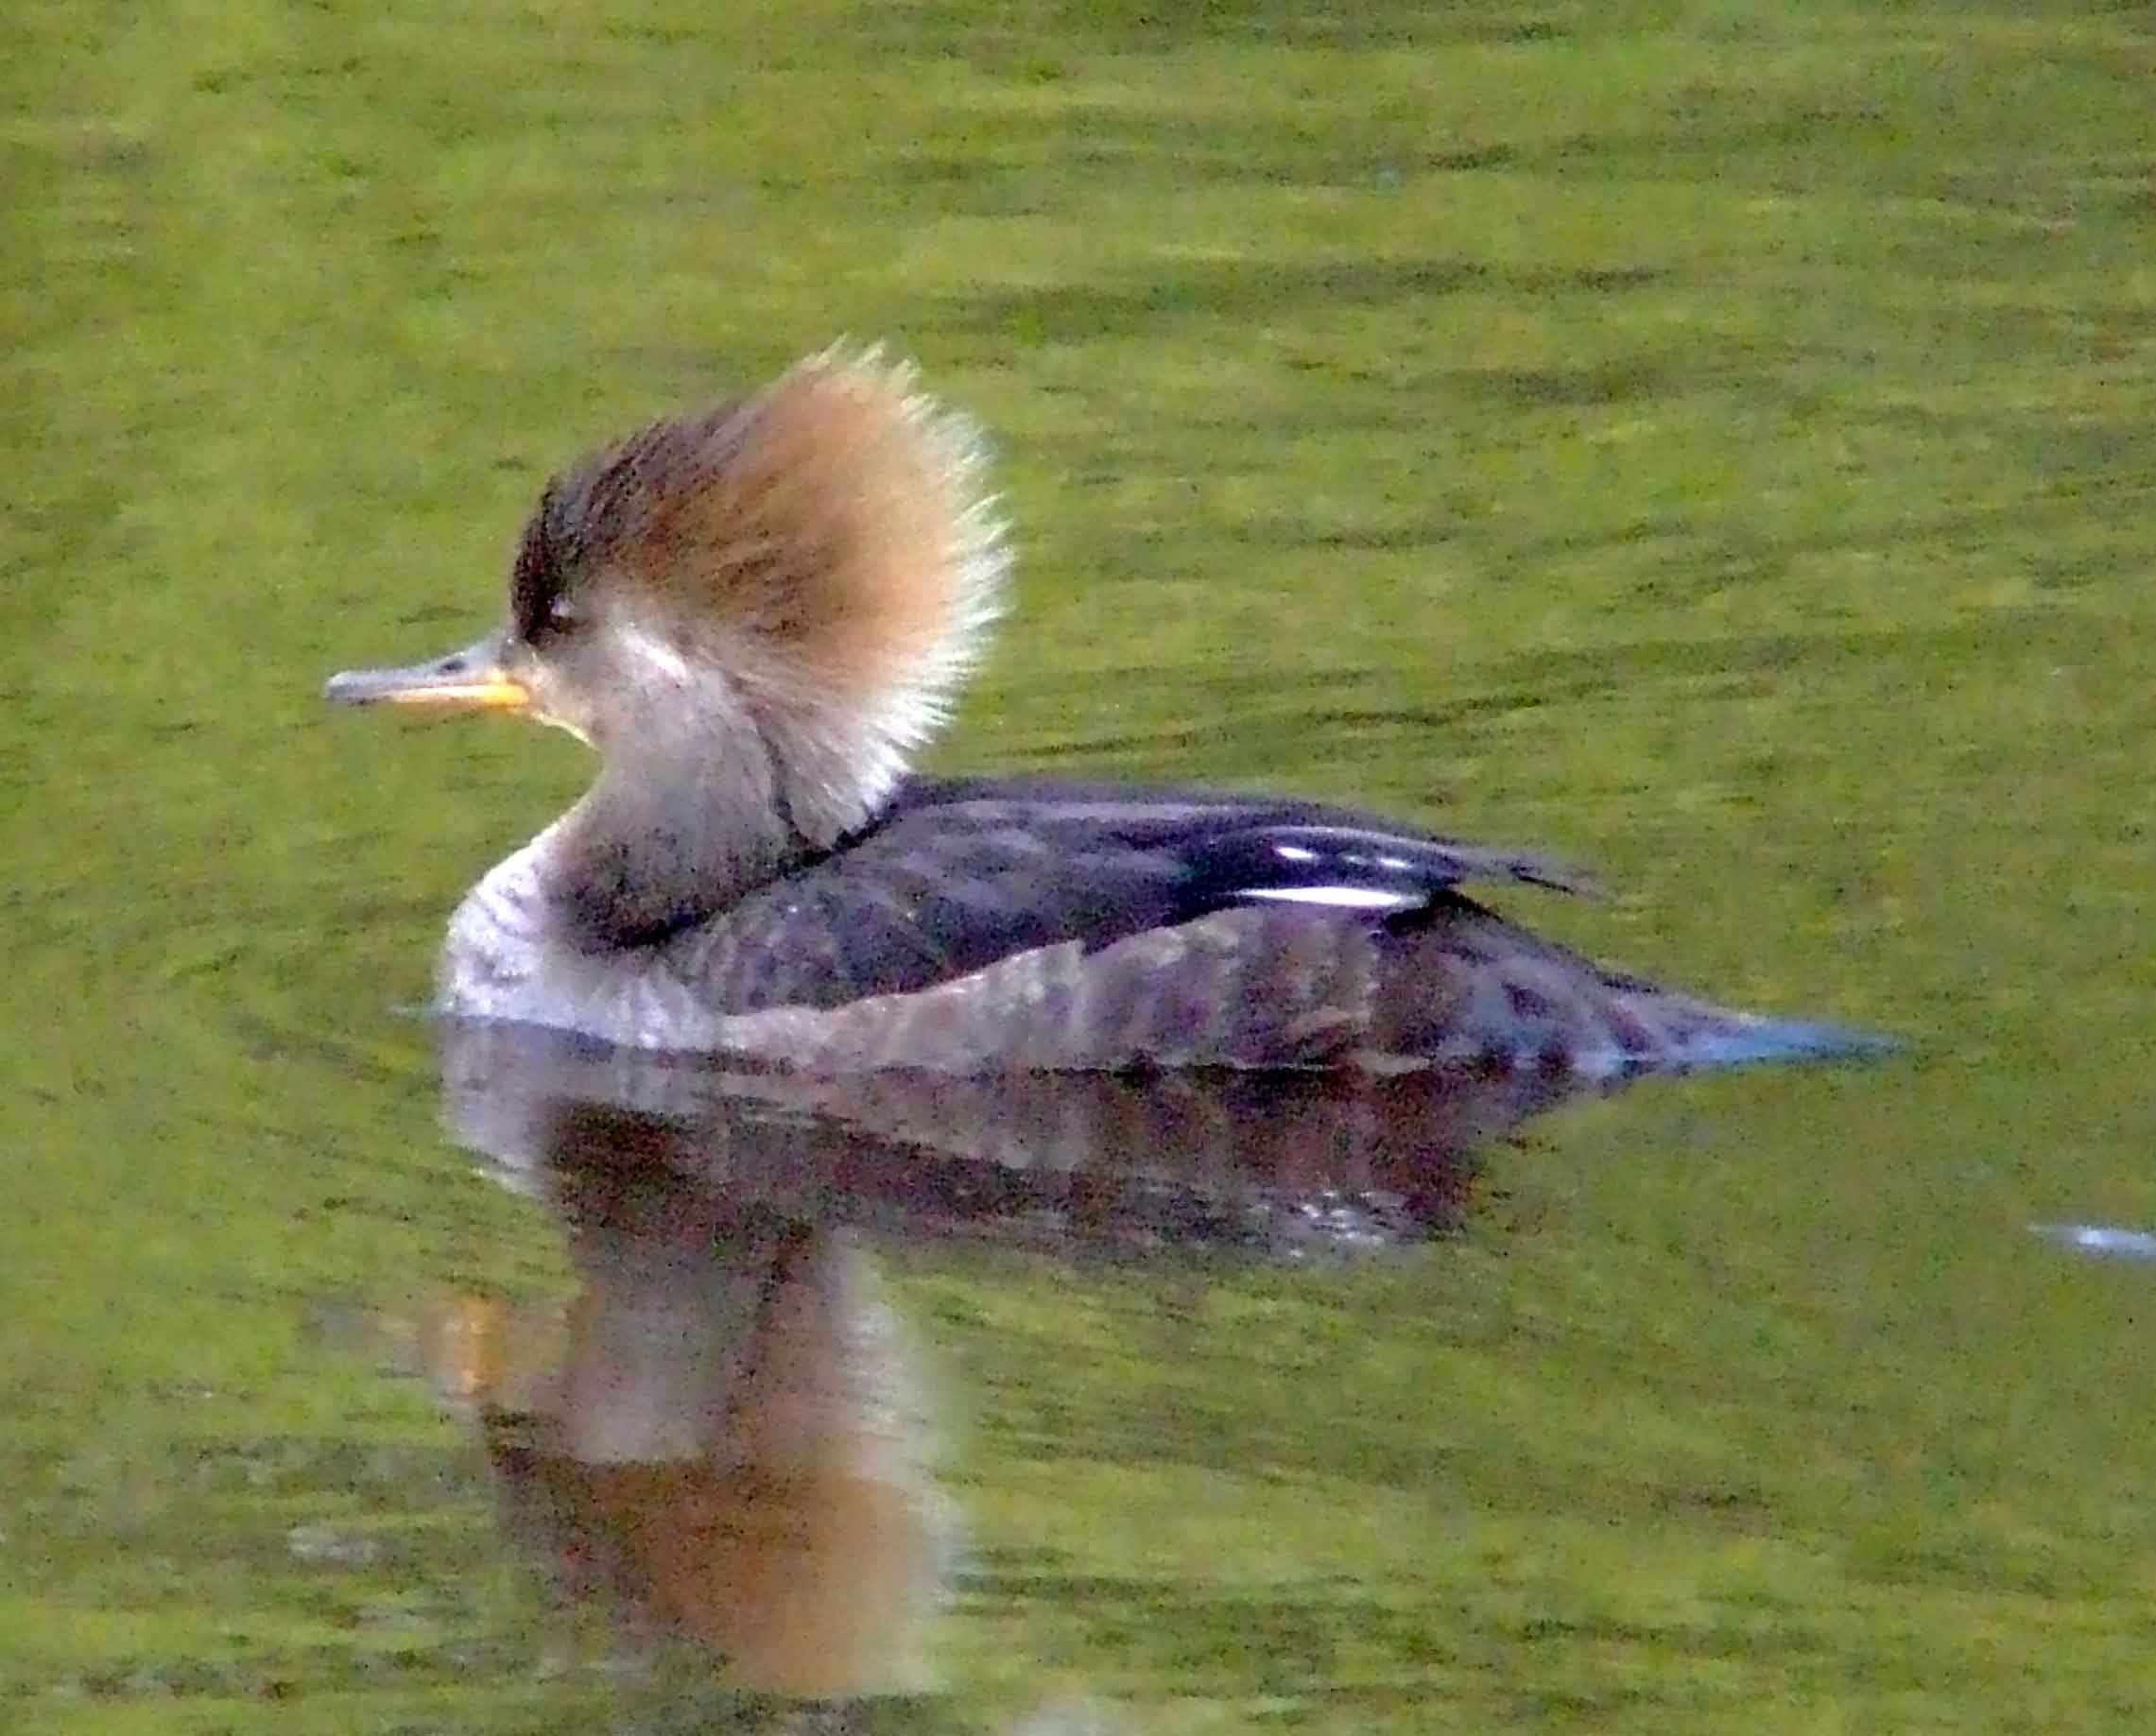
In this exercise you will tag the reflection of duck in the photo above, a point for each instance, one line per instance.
(753, 613)
(727, 1435)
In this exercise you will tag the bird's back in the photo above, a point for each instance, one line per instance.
(986, 924)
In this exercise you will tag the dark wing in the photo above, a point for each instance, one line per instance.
(1349, 867)
(957, 874)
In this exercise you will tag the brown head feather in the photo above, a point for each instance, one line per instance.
(827, 545)
(822, 560)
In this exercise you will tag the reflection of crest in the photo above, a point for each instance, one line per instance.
(734, 1448)
(723, 1436)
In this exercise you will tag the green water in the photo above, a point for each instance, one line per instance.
(1710, 442)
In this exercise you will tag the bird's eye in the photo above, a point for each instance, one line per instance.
(562, 616)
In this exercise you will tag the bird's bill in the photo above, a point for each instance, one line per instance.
(475, 678)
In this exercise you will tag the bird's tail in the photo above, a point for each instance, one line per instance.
(1656, 1031)
(1474, 988)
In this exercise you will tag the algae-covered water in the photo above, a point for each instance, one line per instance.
(1709, 442)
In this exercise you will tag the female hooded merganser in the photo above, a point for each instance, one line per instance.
(755, 613)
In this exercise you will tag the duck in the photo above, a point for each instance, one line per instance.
(756, 612)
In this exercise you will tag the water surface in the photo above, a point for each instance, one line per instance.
(1709, 445)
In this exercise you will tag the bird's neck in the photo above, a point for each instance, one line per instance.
(665, 846)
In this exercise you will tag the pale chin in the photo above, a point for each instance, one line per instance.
(563, 725)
